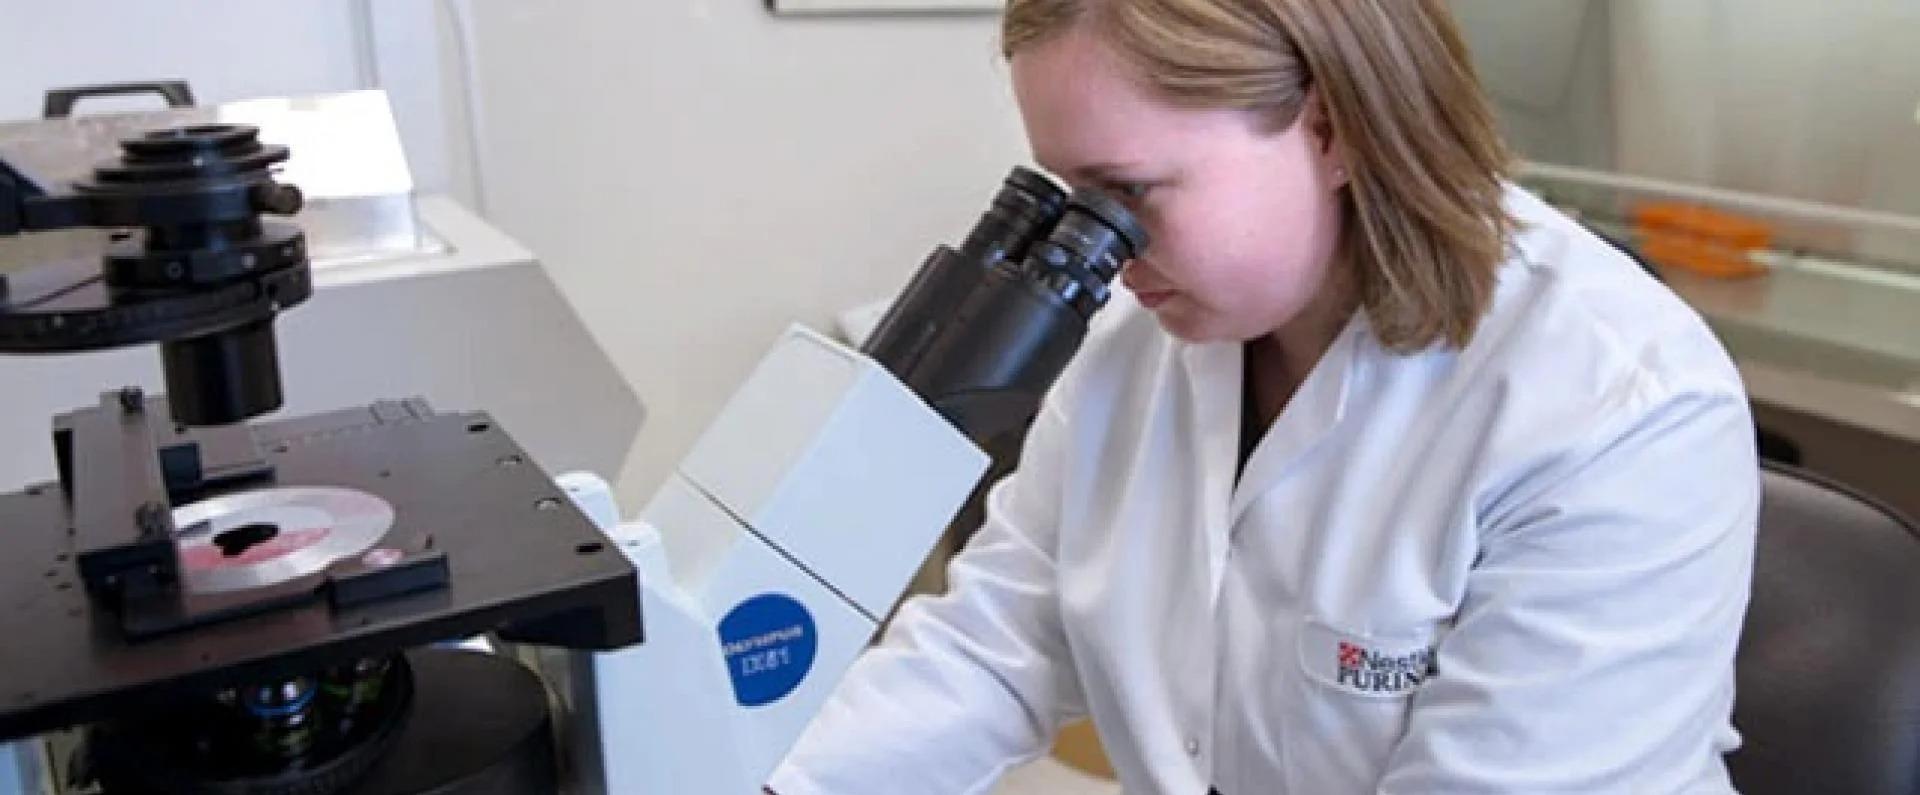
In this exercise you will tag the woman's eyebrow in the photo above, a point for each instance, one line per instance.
(1090, 172)
(1104, 170)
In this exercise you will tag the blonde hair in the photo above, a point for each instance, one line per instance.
(1425, 226)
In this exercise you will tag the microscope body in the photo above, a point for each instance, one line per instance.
(768, 561)
(781, 543)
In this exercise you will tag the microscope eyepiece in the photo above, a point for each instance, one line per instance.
(982, 333)
(1118, 220)
(1086, 250)
(1023, 210)
(1027, 206)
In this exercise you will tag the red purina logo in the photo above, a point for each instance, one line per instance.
(1350, 655)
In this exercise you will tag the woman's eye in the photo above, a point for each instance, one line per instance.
(1133, 191)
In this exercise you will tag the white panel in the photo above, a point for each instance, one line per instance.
(768, 732)
(413, 59)
(772, 421)
(696, 537)
(877, 489)
(680, 675)
(676, 677)
(825, 454)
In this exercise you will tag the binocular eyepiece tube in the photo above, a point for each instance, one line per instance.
(982, 332)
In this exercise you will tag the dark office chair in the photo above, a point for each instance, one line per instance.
(1828, 669)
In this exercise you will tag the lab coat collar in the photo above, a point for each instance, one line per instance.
(1533, 239)
(1215, 375)
(1317, 406)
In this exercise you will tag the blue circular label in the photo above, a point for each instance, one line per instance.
(769, 641)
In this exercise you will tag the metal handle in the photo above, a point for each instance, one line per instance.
(60, 100)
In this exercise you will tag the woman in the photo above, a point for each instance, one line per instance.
(1391, 479)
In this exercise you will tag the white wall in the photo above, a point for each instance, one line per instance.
(1812, 101)
(1819, 96)
(1547, 68)
(699, 174)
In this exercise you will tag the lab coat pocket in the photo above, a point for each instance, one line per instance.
(1354, 692)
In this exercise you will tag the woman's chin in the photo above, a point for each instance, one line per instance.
(1186, 327)
(1184, 323)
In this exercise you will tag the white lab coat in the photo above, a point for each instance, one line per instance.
(1520, 567)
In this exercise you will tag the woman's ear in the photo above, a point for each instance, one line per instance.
(1326, 141)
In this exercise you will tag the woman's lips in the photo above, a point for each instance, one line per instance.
(1152, 299)
(1149, 297)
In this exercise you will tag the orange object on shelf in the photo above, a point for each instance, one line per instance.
(1700, 239)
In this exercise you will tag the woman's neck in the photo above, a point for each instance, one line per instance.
(1279, 362)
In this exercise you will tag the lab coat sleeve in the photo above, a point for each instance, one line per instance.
(967, 684)
(1594, 648)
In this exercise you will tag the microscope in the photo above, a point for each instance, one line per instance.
(207, 600)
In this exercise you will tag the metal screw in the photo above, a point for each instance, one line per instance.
(132, 399)
(151, 518)
(547, 504)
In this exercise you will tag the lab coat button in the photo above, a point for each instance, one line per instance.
(1193, 747)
